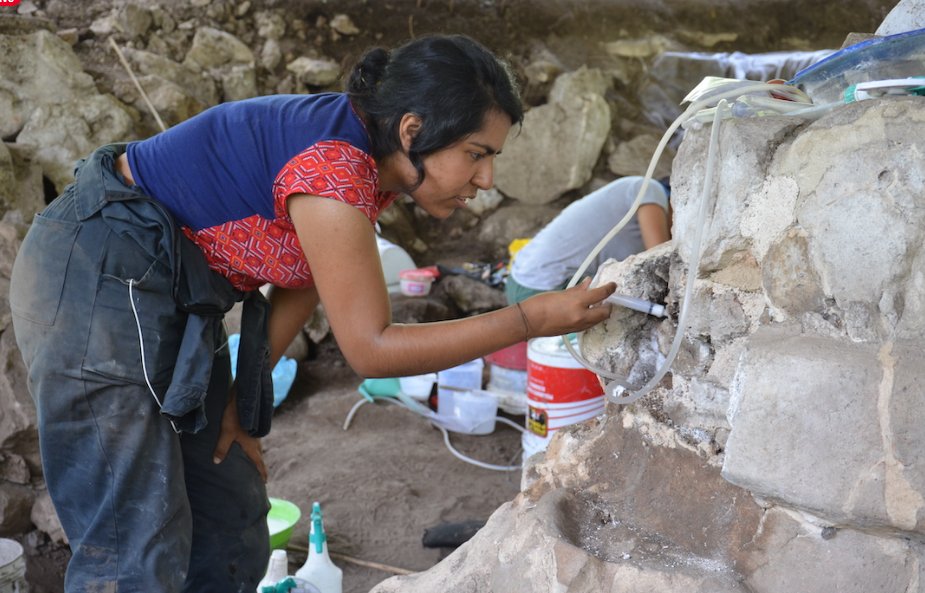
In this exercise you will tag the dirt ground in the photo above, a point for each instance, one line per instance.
(383, 481)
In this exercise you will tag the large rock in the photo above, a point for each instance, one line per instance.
(60, 134)
(574, 130)
(594, 522)
(907, 15)
(791, 554)
(831, 427)
(59, 127)
(177, 91)
(30, 65)
(227, 59)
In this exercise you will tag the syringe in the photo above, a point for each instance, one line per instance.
(637, 304)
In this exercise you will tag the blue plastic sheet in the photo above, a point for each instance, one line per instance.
(283, 372)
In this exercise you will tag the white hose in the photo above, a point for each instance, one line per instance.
(446, 434)
(618, 382)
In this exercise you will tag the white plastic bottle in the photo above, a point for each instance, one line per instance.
(318, 568)
(276, 571)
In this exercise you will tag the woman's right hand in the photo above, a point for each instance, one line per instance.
(565, 311)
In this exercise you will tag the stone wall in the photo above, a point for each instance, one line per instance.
(781, 452)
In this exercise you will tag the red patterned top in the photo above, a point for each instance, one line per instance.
(255, 250)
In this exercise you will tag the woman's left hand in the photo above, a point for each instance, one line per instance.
(231, 432)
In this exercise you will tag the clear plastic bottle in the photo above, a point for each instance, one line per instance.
(318, 568)
(276, 571)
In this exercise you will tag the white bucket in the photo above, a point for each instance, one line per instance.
(560, 392)
(12, 567)
(395, 260)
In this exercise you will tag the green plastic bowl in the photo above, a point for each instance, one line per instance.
(281, 519)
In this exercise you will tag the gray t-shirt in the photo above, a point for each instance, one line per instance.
(550, 259)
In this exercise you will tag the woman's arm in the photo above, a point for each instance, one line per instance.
(653, 225)
(290, 310)
(340, 246)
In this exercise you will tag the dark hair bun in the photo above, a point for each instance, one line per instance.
(368, 72)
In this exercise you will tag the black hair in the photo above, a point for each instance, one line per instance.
(450, 81)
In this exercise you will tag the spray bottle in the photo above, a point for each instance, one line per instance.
(277, 570)
(318, 568)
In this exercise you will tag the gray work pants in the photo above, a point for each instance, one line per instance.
(144, 508)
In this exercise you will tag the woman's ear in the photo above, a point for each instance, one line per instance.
(408, 129)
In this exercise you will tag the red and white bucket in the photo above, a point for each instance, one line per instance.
(560, 392)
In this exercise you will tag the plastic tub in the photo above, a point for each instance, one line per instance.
(416, 282)
(281, 519)
(474, 412)
(418, 386)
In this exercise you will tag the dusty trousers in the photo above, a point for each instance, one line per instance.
(143, 505)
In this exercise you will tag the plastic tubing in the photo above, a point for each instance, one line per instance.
(619, 384)
(636, 304)
(419, 410)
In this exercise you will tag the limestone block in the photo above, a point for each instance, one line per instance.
(193, 83)
(862, 200)
(630, 463)
(574, 129)
(239, 82)
(830, 427)
(581, 81)
(314, 72)
(271, 55)
(697, 405)
(134, 20)
(270, 24)
(742, 274)
(173, 102)
(45, 518)
(213, 48)
(790, 554)
(907, 15)
(29, 66)
(790, 282)
(60, 134)
(746, 203)
(553, 546)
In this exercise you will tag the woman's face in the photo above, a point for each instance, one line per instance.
(455, 173)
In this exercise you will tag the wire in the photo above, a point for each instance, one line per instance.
(141, 345)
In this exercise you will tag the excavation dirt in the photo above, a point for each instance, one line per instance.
(383, 481)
